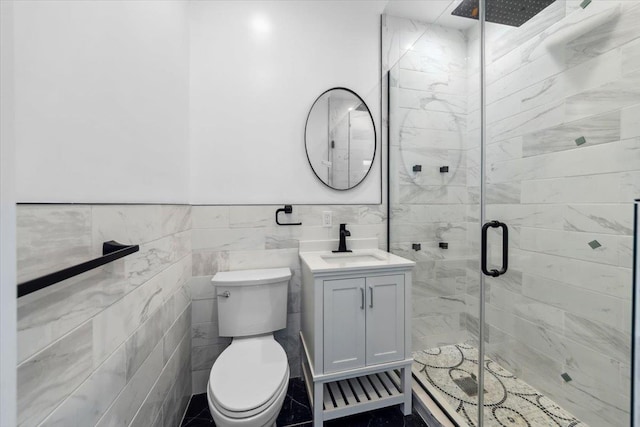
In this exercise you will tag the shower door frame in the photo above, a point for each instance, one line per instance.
(635, 319)
(385, 89)
(483, 214)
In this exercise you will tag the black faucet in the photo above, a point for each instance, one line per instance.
(342, 247)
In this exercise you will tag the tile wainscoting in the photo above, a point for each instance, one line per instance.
(244, 237)
(120, 345)
(111, 346)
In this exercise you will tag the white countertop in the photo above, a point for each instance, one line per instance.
(324, 261)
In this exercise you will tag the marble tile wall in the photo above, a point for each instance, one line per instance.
(244, 237)
(565, 304)
(428, 114)
(111, 346)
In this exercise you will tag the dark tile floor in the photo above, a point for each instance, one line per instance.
(296, 411)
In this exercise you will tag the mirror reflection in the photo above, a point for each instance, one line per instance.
(340, 138)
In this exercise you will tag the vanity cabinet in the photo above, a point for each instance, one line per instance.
(363, 321)
(356, 334)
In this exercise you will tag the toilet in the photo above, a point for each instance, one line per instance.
(248, 381)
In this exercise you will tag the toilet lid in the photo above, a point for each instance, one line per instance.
(248, 374)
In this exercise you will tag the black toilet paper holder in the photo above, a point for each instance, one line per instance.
(287, 210)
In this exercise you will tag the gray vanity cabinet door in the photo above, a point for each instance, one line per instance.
(344, 324)
(385, 319)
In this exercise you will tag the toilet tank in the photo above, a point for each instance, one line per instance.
(251, 302)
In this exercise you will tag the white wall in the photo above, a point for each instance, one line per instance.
(101, 101)
(7, 223)
(255, 70)
(108, 92)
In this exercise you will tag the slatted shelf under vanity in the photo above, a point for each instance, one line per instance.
(341, 394)
(373, 388)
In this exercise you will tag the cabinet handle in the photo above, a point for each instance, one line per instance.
(362, 299)
(371, 300)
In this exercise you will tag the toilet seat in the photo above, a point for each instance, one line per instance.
(248, 376)
(255, 411)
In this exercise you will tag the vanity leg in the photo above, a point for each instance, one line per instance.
(318, 404)
(406, 389)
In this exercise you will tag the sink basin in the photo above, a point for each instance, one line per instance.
(348, 258)
(320, 259)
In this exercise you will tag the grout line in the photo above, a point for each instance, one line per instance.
(70, 395)
(151, 389)
(67, 334)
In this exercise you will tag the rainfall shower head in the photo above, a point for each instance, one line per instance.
(507, 12)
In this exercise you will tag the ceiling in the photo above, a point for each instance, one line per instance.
(429, 11)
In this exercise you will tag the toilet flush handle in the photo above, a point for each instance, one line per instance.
(225, 294)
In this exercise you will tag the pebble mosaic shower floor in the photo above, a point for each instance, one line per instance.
(451, 370)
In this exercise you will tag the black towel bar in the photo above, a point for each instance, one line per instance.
(111, 251)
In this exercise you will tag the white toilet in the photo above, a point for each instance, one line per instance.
(248, 382)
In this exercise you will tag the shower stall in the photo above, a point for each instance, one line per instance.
(513, 134)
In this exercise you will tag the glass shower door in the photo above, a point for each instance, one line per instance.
(562, 170)
(432, 76)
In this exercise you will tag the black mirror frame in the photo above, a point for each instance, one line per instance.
(375, 138)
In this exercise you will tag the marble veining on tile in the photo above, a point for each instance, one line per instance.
(51, 237)
(98, 337)
(48, 377)
(90, 401)
(564, 305)
(44, 317)
(428, 128)
(596, 130)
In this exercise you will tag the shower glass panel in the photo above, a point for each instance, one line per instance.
(559, 167)
(433, 73)
(562, 171)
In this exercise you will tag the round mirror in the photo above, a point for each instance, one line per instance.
(340, 138)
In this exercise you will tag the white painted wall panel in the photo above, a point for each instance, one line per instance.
(104, 112)
(101, 101)
(7, 222)
(256, 68)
